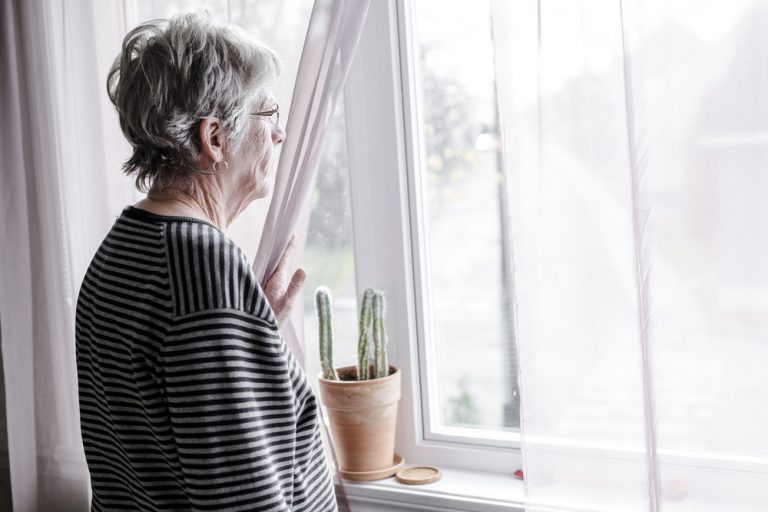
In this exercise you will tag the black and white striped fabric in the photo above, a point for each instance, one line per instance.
(189, 398)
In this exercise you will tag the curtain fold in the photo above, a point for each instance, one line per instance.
(332, 36)
(634, 147)
(17, 356)
(60, 189)
(637, 163)
(36, 293)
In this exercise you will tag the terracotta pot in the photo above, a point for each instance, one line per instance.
(363, 417)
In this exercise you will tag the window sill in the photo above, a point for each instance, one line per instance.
(457, 490)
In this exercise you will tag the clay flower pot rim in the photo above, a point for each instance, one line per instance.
(329, 382)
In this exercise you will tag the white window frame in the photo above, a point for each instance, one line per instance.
(388, 231)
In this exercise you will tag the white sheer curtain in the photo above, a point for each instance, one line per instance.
(332, 37)
(636, 147)
(55, 198)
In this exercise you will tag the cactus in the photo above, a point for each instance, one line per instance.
(323, 302)
(364, 342)
(372, 332)
(381, 366)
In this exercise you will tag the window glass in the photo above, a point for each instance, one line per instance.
(465, 217)
(329, 254)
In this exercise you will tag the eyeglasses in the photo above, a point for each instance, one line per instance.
(272, 115)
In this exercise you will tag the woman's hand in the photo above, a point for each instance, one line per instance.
(281, 292)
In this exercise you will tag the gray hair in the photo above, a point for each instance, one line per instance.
(173, 73)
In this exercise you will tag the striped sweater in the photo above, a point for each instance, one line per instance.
(189, 398)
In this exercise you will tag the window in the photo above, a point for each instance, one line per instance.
(469, 285)
(470, 289)
(428, 214)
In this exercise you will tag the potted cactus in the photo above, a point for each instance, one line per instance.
(362, 399)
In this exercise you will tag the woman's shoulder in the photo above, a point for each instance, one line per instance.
(208, 271)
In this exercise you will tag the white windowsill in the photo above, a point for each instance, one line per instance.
(457, 490)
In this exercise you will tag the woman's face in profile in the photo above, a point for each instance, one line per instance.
(253, 160)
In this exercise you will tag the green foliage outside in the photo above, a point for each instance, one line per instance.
(462, 409)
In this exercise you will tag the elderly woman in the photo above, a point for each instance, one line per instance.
(189, 398)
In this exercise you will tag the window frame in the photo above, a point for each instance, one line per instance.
(415, 150)
(381, 104)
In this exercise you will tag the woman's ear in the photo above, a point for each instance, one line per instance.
(212, 139)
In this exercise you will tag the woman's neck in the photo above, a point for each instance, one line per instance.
(171, 201)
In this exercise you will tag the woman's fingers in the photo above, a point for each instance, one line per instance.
(282, 265)
(278, 281)
(282, 292)
(277, 285)
(294, 288)
(297, 281)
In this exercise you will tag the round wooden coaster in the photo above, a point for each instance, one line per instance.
(418, 475)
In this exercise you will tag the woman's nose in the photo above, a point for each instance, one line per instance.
(278, 134)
